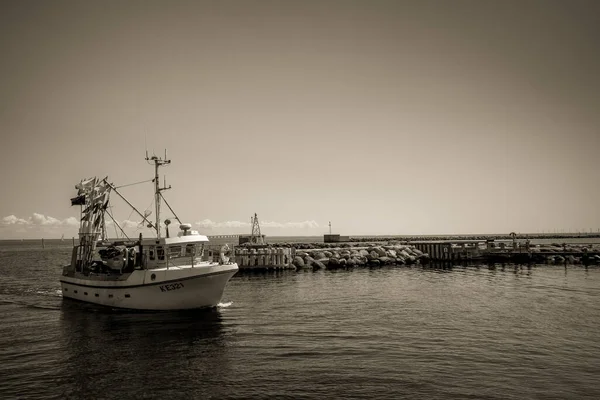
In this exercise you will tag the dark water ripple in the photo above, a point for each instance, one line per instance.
(476, 332)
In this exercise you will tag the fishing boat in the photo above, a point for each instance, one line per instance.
(165, 272)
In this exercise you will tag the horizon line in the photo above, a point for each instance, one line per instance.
(562, 234)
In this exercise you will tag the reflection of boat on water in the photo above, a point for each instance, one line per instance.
(94, 319)
(150, 334)
(148, 351)
(159, 273)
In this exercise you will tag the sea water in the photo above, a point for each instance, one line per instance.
(480, 332)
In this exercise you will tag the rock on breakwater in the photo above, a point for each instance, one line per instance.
(355, 256)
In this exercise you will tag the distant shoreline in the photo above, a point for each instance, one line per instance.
(370, 238)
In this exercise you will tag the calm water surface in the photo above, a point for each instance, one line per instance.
(511, 332)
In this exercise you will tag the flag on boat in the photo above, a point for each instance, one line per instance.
(78, 201)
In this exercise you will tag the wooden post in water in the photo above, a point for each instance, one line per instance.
(43, 245)
(73, 241)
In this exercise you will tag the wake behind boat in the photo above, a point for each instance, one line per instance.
(159, 273)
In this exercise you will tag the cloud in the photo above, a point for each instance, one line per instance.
(13, 220)
(296, 225)
(47, 222)
(209, 224)
(41, 219)
(71, 221)
(128, 224)
(38, 219)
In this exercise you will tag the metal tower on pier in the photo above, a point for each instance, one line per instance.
(256, 237)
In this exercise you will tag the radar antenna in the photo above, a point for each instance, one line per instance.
(158, 162)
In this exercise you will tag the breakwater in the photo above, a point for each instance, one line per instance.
(315, 256)
(325, 256)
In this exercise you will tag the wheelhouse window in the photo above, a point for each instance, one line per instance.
(151, 252)
(174, 251)
(190, 249)
(160, 253)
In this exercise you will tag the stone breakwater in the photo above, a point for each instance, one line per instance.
(350, 257)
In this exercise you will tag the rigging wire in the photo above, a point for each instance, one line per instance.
(117, 224)
(129, 216)
(116, 233)
(131, 184)
(165, 200)
(128, 203)
(148, 208)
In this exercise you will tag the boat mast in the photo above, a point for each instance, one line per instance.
(158, 162)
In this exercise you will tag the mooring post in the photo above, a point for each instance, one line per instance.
(43, 245)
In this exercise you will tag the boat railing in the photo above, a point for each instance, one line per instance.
(212, 253)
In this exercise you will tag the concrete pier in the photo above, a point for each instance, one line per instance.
(451, 250)
(264, 258)
(508, 251)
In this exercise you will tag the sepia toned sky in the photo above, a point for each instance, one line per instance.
(383, 117)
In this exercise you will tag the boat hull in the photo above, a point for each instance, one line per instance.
(154, 290)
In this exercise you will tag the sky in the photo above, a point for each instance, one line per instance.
(383, 117)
